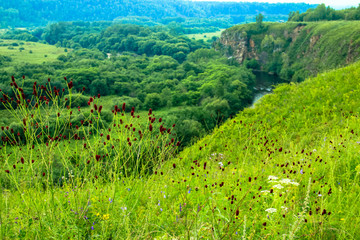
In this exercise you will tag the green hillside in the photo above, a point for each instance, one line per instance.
(294, 51)
(288, 168)
(29, 52)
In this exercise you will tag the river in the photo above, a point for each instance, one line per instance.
(264, 84)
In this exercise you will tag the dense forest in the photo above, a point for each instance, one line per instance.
(145, 67)
(21, 13)
(323, 13)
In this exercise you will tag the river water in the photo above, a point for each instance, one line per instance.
(264, 84)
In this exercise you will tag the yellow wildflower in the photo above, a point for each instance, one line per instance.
(106, 216)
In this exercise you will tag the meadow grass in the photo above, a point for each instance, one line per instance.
(287, 169)
(205, 36)
(35, 53)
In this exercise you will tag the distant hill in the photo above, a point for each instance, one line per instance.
(19, 13)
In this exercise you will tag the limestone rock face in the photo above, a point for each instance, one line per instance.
(241, 47)
(293, 50)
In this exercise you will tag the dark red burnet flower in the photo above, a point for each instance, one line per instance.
(70, 84)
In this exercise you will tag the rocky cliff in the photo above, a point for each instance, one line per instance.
(293, 51)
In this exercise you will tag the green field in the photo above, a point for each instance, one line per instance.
(33, 52)
(205, 36)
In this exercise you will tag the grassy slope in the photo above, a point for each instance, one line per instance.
(37, 56)
(317, 47)
(305, 132)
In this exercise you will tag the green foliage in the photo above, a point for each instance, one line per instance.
(188, 15)
(146, 67)
(323, 13)
(288, 168)
(295, 51)
(259, 20)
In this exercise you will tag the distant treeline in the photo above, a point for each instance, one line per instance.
(323, 13)
(20, 13)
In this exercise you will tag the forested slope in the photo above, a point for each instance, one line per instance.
(20, 13)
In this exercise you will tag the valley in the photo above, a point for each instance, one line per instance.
(179, 120)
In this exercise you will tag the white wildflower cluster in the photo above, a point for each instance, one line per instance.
(285, 208)
(278, 186)
(284, 181)
(287, 181)
(71, 175)
(271, 210)
(271, 178)
(216, 156)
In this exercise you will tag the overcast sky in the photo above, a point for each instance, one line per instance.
(332, 3)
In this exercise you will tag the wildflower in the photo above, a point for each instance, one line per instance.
(221, 164)
(285, 208)
(301, 171)
(285, 181)
(110, 200)
(271, 210)
(106, 216)
(272, 178)
(278, 186)
(294, 183)
(70, 85)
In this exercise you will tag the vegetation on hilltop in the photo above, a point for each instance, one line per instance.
(323, 13)
(288, 168)
(293, 51)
